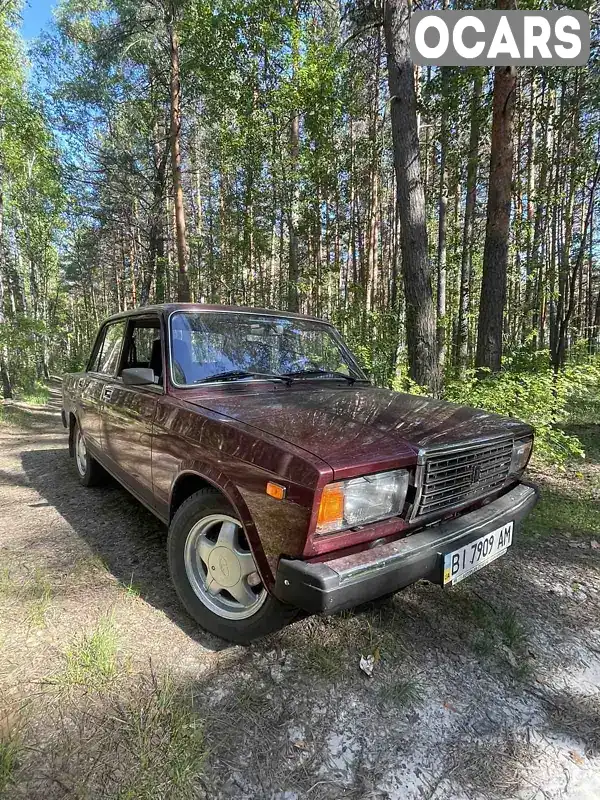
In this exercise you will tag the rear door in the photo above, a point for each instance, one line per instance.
(129, 410)
(95, 383)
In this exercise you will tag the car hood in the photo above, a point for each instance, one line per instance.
(363, 428)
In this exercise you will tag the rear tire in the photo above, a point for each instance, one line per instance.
(215, 575)
(88, 469)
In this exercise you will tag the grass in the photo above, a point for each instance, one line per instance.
(6, 582)
(137, 741)
(38, 395)
(39, 590)
(328, 660)
(560, 513)
(92, 661)
(36, 591)
(36, 613)
(131, 589)
(403, 693)
(483, 642)
(91, 563)
(164, 744)
(512, 630)
(17, 417)
(492, 631)
(11, 748)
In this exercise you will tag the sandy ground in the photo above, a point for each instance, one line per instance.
(491, 689)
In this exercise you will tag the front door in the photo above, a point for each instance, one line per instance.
(129, 410)
(94, 384)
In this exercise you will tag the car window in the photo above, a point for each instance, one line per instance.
(143, 348)
(97, 352)
(208, 343)
(109, 352)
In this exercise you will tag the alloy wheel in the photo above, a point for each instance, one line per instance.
(221, 569)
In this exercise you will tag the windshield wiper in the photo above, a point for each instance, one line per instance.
(238, 374)
(318, 373)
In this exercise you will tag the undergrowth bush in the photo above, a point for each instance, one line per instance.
(528, 389)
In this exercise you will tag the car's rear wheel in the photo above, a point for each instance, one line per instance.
(215, 574)
(89, 470)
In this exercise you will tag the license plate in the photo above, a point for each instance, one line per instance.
(459, 564)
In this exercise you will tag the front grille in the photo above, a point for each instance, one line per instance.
(452, 478)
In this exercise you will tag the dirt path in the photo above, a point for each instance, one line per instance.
(108, 690)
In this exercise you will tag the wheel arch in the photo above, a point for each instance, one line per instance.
(192, 480)
(185, 485)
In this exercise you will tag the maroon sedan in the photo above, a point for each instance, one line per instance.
(287, 480)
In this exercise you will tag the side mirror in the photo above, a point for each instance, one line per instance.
(138, 376)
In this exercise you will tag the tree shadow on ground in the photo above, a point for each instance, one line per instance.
(129, 540)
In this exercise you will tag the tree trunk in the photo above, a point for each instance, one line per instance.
(595, 326)
(294, 152)
(420, 315)
(559, 354)
(7, 392)
(442, 224)
(183, 283)
(293, 268)
(467, 243)
(495, 254)
(155, 270)
(442, 218)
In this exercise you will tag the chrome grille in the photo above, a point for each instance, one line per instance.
(452, 478)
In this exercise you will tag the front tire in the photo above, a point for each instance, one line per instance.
(215, 575)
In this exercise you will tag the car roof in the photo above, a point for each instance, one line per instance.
(168, 308)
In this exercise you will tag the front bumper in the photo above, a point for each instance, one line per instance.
(326, 587)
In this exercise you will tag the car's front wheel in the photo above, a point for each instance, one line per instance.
(215, 574)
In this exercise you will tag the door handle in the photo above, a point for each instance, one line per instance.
(107, 392)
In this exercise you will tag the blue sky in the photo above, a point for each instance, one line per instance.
(36, 14)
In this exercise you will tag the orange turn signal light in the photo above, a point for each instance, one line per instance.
(275, 490)
(331, 507)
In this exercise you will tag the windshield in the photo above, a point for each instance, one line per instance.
(207, 344)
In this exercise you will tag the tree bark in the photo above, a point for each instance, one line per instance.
(442, 218)
(183, 283)
(293, 268)
(420, 315)
(495, 253)
(442, 225)
(559, 352)
(464, 307)
(7, 391)
(294, 152)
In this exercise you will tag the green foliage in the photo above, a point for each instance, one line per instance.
(528, 389)
(91, 661)
(38, 395)
(11, 749)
